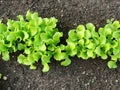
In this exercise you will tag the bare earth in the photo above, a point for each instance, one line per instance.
(81, 74)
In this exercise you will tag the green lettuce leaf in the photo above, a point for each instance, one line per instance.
(90, 27)
(5, 56)
(112, 64)
(72, 35)
(90, 53)
(66, 62)
(87, 34)
(33, 67)
(71, 49)
(80, 31)
(11, 36)
(21, 46)
(3, 28)
(45, 67)
(3, 47)
(116, 25)
(45, 60)
(102, 39)
(116, 35)
(59, 55)
(56, 37)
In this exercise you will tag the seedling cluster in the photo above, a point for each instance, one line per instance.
(39, 39)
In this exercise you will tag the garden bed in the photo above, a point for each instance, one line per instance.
(92, 74)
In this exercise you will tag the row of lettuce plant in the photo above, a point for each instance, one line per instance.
(86, 43)
(39, 39)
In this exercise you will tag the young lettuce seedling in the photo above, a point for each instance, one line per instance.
(43, 38)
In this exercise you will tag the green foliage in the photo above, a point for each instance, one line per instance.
(39, 39)
(86, 43)
(112, 64)
(109, 42)
(0, 75)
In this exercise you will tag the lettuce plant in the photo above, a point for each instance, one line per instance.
(82, 41)
(42, 40)
(86, 43)
(39, 39)
(4, 49)
(109, 42)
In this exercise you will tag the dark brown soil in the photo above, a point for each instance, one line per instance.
(80, 75)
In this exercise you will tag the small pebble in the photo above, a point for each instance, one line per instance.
(106, 81)
(58, 1)
(78, 79)
(61, 11)
(5, 78)
(87, 84)
(14, 71)
(1, 1)
(83, 72)
(62, 15)
(63, 88)
(86, 73)
(116, 81)
(9, 88)
(28, 86)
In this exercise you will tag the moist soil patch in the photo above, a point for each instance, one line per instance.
(92, 74)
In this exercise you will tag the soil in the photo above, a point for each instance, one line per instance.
(81, 74)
